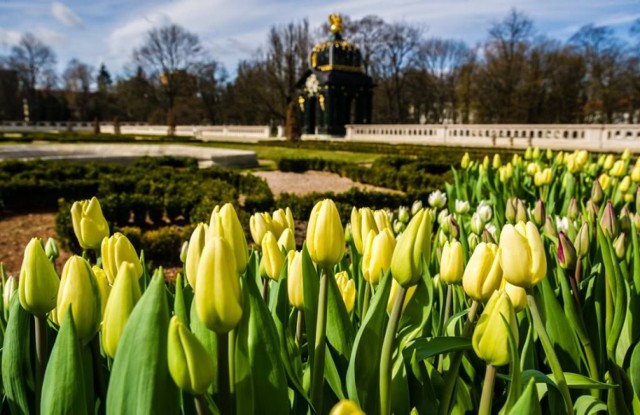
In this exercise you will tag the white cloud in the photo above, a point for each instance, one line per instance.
(65, 15)
(9, 37)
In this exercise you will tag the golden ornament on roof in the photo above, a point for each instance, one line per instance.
(335, 21)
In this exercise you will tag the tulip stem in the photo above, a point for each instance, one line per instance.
(201, 405)
(387, 352)
(265, 289)
(317, 380)
(487, 391)
(452, 374)
(224, 392)
(447, 314)
(558, 374)
(41, 356)
(367, 298)
(299, 327)
(232, 367)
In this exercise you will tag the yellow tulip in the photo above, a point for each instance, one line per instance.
(522, 255)
(617, 170)
(194, 251)
(347, 289)
(346, 407)
(116, 250)
(635, 173)
(325, 235)
(608, 162)
(233, 233)
(496, 161)
(451, 262)
(103, 287)
(38, 284)
(259, 224)
(483, 274)
(490, 338)
(625, 184)
(190, 365)
(394, 293)
(412, 249)
(89, 223)
(287, 240)
(79, 290)
(123, 297)
(464, 162)
(382, 220)
(284, 218)
(218, 296)
(517, 295)
(362, 221)
(377, 255)
(272, 257)
(295, 284)
(604, 180)
(9, 288)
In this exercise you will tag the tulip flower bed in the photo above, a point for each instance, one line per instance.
(516, 290)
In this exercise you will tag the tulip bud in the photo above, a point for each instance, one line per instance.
(377, 255)
(496, 161)
(490, 338)
(608, 162)
(517, 295)
(483, 274)
(194, 251)
(510, 210)
(347, 289)
(566, 252)
(287, 240)
(522, 257)
(604, 181)
(123, 297)
(487, 235)
(325, 236)
(521, 211)
(416, 207)
(51, 249)
(346, 407)
(485, 211)
(116, 250)
(464, 162)
(183, 252)
(189, 363)
(103, 287)
(272, 257)
(10, 287)
(617, 170)
(295, 288)
(527, 153)
(462, 206)
(532, 169)
(591, 213)
(548, 154)
(477, 224)
(443, 216)
(539, 214)
(549, 228)
(382, 220)
(597, 194)
(573, 211)
(609, 222)
(38, 283)
(412, 248)
(394, 293)
(233, 233)
(625, 184)
(635, 174)
(398, 227)
(218, 296)
(619, 246)
(625, 219)
(283, 219)
(437, 199)
(403, 214)
(473, 240)
(259, 224)
(453, 228)
(89, 223)
(485, 163)
(451, 263)
(581, 242)
(636, 220)
(79, 290)
(536, 153)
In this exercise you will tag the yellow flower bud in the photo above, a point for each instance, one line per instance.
(490, 338)
(10, 287)
(346, 407)
(451, 262)
(103, 287)
(116, 250)
(617, 170)
(259, 224)
(38, 283)
(123, 297)
(218, 296)
(295, 287)
(483, 274)
(532, 169)
(496, 161)
(233, 233)
(625, 184)
(517, 295)
(190, 365)
(284, 219)
(79, 290)
(382, 220)
(362, 221)
(89, 223)
(394, 293)
(608, 162)
(325, 235)
(377, 255)
(635, 173)
(194, 251)
(412, 248)
(287, 240)
(347, 289)
(464, 162)
(271, 256)
(522, 255)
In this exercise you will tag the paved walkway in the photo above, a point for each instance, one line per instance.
(125, 153)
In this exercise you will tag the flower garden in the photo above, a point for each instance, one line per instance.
(515, 288)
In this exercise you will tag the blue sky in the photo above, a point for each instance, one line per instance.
(108, 30)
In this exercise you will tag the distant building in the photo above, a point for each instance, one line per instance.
(10, 103)
(335, 91)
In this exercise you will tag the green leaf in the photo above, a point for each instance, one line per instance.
(515, 386)
(311, 288)
(578, 381)
(527, 403)
(16, 359)
(364, 365)
(428, 347)
(208, 339)
(270, 391)
(63, 388)
(634, 370)
(339, 330)
(179, 306)
(588, 405)
(140, 380)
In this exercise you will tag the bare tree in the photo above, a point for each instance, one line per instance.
(78, 77)
(34, 62)
(167, 54)
(210, 78)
